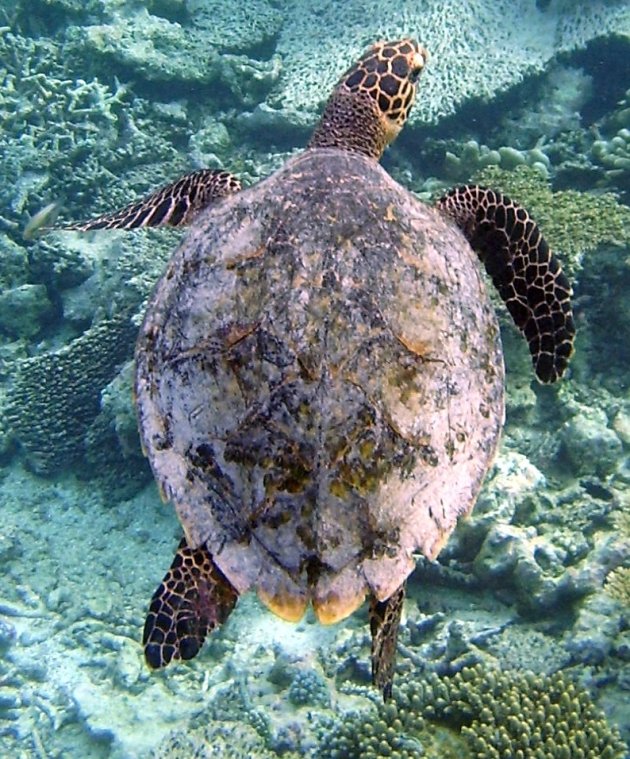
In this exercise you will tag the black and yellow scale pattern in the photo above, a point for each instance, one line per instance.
(525, 272)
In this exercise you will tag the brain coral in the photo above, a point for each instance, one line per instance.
(481, 49)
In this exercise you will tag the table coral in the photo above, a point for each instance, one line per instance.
(472, 55)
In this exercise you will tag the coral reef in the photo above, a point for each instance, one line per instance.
(56, 396)
(308, 688)
(112, 444)
(24, 310)
(473, 158)
(573, 222)
(479, 712)
(531, 548)
(461, 67)
(50, 118)
(611, 151)
(555, 109)
(104, 100)
(200, 51)
(217, 740)
(618, 585)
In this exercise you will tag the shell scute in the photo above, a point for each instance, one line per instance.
(320, 384)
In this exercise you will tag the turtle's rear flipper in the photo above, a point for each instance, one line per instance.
(193, 598)
(174, 205)
(523, 269)
(384, 623)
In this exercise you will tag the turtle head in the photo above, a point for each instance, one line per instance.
(371, 102)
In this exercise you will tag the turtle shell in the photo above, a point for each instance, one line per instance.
(320, 383)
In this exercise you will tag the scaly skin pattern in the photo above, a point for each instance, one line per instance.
(384, 623)
(319, 373)
(192, 600)
(523, 269)
(371, 103)
(173, 205)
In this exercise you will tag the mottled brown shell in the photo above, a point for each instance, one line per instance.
(320, 383)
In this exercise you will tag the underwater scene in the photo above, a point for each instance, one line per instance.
(374, 562)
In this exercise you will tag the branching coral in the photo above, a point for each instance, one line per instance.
(308, 688)
(479, 713)
(49, 119)
(53, 119)
(44, 107)
(617, 583)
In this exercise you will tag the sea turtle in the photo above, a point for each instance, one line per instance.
(319, 376)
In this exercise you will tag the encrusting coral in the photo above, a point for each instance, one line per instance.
(478, 713)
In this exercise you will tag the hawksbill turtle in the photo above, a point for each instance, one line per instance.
(319, 375)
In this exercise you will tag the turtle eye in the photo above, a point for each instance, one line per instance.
(418, 63)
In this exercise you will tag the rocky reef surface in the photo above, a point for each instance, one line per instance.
(103, 100)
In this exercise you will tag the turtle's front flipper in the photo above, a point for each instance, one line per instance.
(384, 623)
(174, 205)
(193, 598)
(523, 269)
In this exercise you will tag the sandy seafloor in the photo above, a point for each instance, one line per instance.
(103, 100)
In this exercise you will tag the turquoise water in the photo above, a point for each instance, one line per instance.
(103, 101)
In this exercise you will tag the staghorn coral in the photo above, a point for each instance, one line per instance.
(478, 713)
(43, 106)
(56, 396)
(54, 119)
(49, 118)
(573, 222)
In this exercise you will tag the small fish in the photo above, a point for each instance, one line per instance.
(42, 220)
